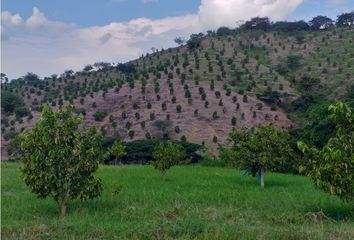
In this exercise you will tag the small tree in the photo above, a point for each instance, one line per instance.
(59, 161)
(117, 150)
(332, 167)
(265, 148)
(166, 155)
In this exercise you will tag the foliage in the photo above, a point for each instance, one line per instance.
(321, 22)
(319, 128)
(332, 167)
(117, 150)
(99, 115)
(265, 148)
(126, 68)
(167, 154)
(12, 103)
(195, 41)
(59, 160)
(257, 23)
(140, 151)
(223, 31)
(290, 26)
(345, 19)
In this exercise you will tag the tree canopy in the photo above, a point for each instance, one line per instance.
(59, 160)
(332, 167)
(265, 148)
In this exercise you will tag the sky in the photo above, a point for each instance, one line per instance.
(49, 37)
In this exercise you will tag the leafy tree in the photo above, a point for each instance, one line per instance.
(257, 23)
(179, 41)
(59, 161)
(290, 26)
(166, 155)
(31, 77)
(10, 102)
(321, 22)
(117, 149)
(223, 31)
(195, 40)
(265, 148)
(345, 19)
(332, 167)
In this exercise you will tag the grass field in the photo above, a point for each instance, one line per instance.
(193, 203)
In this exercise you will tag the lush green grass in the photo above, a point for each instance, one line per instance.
(193, 203)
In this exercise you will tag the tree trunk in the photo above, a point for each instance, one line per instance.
(262, 177)
(62, 206)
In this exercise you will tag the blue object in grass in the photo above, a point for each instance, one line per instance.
(247, 170)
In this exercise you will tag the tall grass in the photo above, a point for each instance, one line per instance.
(193, 203)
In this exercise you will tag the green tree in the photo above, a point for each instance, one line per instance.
(117, 150)
(59, 161)
(265, 148)
(332, 167)
(167, 154)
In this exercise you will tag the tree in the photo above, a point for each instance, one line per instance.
(332, 167)
(87, 68)
(321, 22)
(223, 31)
(31, 77)
(265, 148)
(117, 150)
(195, 40)
(257, 23)
(345, 19)
(179, 41)
(290, 26)
(59, 161)
(166, 155)
(10, 102)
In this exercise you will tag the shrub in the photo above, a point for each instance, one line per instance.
(75, 155)
(152, 116)
(233, 121)
(178, 108)
(332, 167)
(140, 151)
(99, 116)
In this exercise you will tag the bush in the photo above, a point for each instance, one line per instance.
(140, 151)
(166, 155)
(99, 116)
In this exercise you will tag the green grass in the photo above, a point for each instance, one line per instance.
(193, 203)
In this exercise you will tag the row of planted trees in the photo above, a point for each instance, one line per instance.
(59, 160)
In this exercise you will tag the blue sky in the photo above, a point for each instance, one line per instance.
(100, 12)
(47, 36)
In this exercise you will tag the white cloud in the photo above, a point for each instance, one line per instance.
(7, 19)
(40, 45)
(215, 13)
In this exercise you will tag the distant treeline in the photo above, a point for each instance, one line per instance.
(264, 24)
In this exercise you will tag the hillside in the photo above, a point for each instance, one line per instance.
(233, 79)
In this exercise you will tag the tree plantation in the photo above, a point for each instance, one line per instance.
(235, 133)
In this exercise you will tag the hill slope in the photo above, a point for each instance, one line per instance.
(240, 79)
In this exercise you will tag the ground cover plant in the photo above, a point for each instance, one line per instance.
(193, 202)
